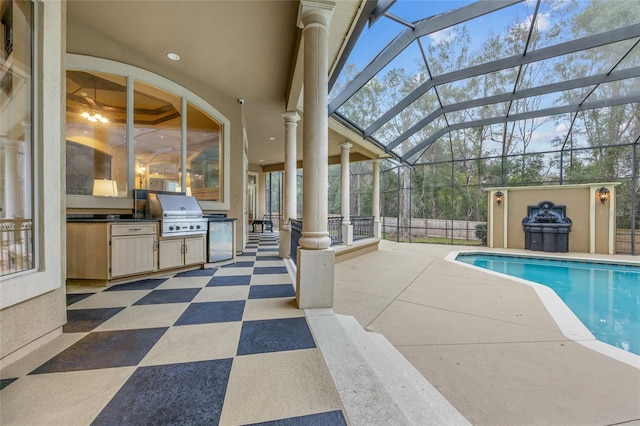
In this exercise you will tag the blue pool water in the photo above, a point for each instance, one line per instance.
(605, 297)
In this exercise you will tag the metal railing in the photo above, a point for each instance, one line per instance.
(275, 218)
(334, 226)
(296, 233)
(16, 245)
(362, 227)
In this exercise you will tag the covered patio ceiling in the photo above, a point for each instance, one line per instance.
(249, 49)
(428, 71)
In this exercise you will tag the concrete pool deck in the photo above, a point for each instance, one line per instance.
(485, 342)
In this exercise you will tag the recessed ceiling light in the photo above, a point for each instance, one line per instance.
(173, 56)
(272, 138)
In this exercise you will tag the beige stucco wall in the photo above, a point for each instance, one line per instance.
(231, 109)
(32, 304)
(576, 200)
(226, 106)
(593, 226)
(29, 321)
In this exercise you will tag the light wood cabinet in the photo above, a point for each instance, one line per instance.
(102, 251)
(133, 248)
(113, 252)
(88, 251)
(195, 250)
(176, 252)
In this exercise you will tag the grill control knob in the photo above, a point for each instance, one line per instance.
(191, 227)
(171, 228)
(177, 227)
(197, 226)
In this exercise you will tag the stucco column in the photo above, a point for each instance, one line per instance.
(290, 140)
(377, 225)
(345, 204)
(316, 261)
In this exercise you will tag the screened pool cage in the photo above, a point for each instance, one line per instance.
(490, 94)
(446, 202)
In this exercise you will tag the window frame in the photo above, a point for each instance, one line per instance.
(132, 73)
(34, 149)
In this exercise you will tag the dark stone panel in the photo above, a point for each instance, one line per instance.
(210, 312)
(189, 393)
(274, 336)
(104, 349)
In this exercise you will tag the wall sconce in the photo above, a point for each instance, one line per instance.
(603, 195)
(498, 197)
(105, 188)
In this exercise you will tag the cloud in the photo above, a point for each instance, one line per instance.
(443, 36)
(562, 127)
(549, 130)
(543, 21)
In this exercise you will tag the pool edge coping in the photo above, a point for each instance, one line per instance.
(568, 323)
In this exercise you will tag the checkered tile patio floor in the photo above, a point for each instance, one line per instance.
(211, 346)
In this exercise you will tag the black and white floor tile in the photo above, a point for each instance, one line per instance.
(211, 346)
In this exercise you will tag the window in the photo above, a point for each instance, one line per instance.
(96, 120)
(273, 188)
(157, 138)
(204, 157)
(16, 145)
(136, 129)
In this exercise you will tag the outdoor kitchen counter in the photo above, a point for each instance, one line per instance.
(105, 219)
(105, 250)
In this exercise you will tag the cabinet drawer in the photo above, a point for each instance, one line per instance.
(133, 229)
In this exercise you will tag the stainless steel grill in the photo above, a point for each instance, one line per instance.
(179, 215)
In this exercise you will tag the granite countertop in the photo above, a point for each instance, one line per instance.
(220, 219)
(103, 218)
(99, 218)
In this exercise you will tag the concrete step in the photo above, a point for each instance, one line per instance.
(363, 395)
(377, 385)
(420, 402)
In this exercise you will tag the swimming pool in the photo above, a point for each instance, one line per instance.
(604, 296)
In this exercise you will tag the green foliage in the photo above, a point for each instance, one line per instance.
(448, 179)
(481, 233)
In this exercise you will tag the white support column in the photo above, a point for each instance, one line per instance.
(345, 205)
(377, 225)
(290, 124)
(316, 260)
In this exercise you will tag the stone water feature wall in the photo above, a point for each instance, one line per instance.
(546, 228)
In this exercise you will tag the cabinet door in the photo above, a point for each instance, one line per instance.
(194, 250)
(170, 253)
(87, 251)
(132, 255)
